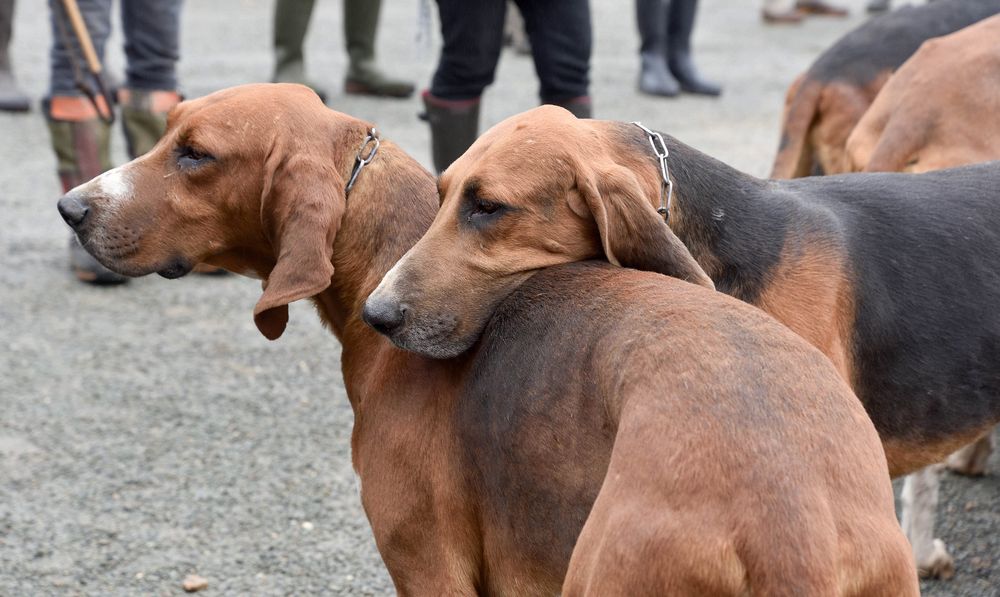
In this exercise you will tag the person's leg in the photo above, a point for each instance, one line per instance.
(80, 140)
(654, 76)
(152, 38)
(560, 36)
(680, 25)
(363, 76)
(472, 31)
(12, 99)
(291, 21)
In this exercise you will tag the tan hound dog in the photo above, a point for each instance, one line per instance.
(892, 276)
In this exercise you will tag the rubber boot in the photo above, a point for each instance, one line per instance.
(680, 24)
(81, 141)
(291, 21)
(144, 117)
(454, 127)
(654, 76)
(363, 76)
(877, 6)
(581, 107)
(12, 99)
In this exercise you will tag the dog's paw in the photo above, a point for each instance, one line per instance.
(939, 564)
(971, 460)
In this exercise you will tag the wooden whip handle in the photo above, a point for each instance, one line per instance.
(82, 35)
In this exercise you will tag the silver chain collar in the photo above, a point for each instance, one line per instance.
(666, 185)
(362, 159)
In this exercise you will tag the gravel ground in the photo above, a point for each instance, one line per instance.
(149, 432)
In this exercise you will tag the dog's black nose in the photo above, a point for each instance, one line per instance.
(73, 209)
(386, 316)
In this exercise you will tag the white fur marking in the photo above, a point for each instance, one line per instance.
(115, 186)
(389, 280)
(920, 500)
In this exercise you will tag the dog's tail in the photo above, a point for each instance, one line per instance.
(795, 153)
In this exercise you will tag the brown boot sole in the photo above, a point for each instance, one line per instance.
(782, 18)
(90, 277)
(205, 269)
(821, 9)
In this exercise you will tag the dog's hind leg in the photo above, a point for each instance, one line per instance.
(920, 501)
(971, 460)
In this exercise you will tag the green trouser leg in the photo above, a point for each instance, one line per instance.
(363, 76)
(454, 128)
(291, 22)
(82, 151)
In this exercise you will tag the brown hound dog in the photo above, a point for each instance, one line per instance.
(825, 103)
(939, 110)
(741, 463)
(475, 481)
(864, 267)
(722, 480)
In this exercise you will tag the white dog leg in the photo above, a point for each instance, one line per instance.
(971, 460)
(920, 500)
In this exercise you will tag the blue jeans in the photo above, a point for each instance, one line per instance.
(559, 31)
(152, 31)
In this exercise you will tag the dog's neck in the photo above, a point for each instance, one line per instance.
(726, 218)
(391, 205)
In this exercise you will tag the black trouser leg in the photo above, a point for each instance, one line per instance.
(680, 24)
(561, 41)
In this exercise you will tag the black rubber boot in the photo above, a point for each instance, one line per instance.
(12, 99)
(680, 24)
(82, 150)
(363, 76)
(454, 127)
(581, 107)
(291, 21)
(654, 76)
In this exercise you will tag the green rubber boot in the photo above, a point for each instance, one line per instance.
(144, 117)
(291, 21)
(363, 76)
(82, 145)
(454, 127)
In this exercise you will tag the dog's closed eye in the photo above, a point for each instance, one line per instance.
(189, 157)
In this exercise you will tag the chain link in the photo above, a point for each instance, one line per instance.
(666, 185)
(362, 159)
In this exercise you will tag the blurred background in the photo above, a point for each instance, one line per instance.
(148, 431)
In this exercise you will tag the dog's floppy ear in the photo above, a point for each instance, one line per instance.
(632, 233)
(301, 208)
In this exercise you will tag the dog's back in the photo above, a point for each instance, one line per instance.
(922, 266)
(740, 459)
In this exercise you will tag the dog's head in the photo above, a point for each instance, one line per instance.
(242, 179)
(539, 189)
